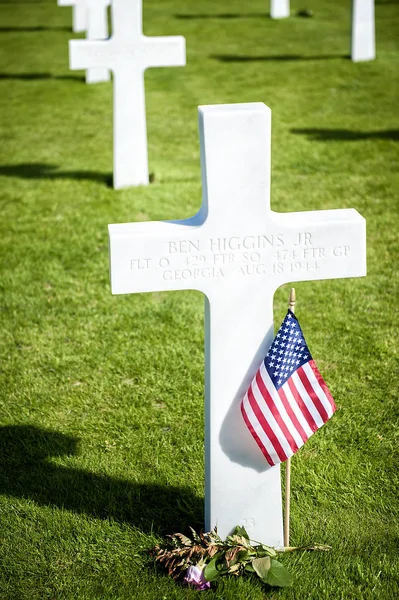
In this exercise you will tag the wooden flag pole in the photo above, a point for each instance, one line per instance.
(291, 306)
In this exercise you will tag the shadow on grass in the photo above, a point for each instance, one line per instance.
(322, 135)
(27, 471)
(34, 76)
(33, 29)
(279, 58)
(254, 15)
(20, 1)
(43, 171)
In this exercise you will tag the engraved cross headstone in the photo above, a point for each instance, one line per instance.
(96, 25)
(279, 9)
(237, 251)
(363, 30)
(128, 53)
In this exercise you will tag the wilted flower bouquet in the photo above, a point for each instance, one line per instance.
(205, 557)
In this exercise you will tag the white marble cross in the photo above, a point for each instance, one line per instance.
(78, 18)
(363, 30)
(78, 14)
(95, 16)
(279, 9)
(128, 53)
(237, 251)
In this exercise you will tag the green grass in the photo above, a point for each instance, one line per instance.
(101, 399)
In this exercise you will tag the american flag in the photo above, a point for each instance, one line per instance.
(288, 399)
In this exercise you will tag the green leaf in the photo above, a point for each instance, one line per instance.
(237, 540)
(241, 531)
(211, 572)
(242, 556)
(262, 566)
(263, 550)
(278, 575)
(249, 568)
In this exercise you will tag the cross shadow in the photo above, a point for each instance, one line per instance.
(279, 58)
(27, 471)
(322, 135)
(20, 1)
(33, 29)
(43, 171)
(254, 15)
(234, 437)
(34, 76)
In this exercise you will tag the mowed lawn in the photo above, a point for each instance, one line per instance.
(101, 396)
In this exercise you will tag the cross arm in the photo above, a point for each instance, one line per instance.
(88, 53)
(156, 256)
(317, 245)
(166, 51)
(175, 255)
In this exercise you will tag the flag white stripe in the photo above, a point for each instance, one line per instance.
(259, 430)
(298, 413)
(318, 389)
(307, 400)
(279, 405)
(271, 420)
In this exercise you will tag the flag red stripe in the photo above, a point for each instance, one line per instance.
(322, 384)
(256, 437)
(292, 415)
(275, 412)
(312, 394)
(265, 426)
(301, 405)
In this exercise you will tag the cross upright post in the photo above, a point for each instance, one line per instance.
(78, 18)
(128, 53)
(279, 9)
(78, 14)
(237, 251)
(97, 29)
(363, 30)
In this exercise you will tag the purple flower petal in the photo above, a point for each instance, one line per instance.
(195, 576)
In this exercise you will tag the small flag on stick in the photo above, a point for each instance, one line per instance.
(288, 399)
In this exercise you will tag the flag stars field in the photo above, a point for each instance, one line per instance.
(289, 358)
